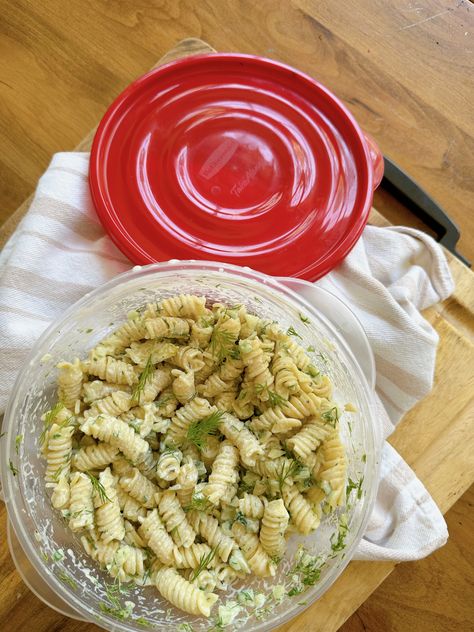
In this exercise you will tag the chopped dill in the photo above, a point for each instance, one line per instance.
(203, 563)
(198, 431)
(222, 343)
(291, 331)
(145, 377)
(198, 503)
(310, 349)
(18, 440)
(98, 488)
(288, 469)
(331, 416)
(338, 542)
(67, 579)
(304, 319)
(13, 469)
(239, 517)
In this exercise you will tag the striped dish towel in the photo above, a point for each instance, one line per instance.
(60, 252)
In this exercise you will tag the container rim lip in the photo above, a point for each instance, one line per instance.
(13, 508)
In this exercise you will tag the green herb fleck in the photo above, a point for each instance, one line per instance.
(304, 319)
(203, 563)
(239, 517)
(88, 331)
(67, 579)
(288, 469)
(58, 555)
(141, 621)
(323, 358)
(98, 488)
(198, 503)
(310, 349)
(331, 416)
(145, 376)
(2, 434)
(338, 542)
(291, 331)
(13, 469)
(364, 458)
(185, 627)
(18, 440)
(198, 431)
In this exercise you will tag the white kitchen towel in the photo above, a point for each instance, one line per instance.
(60, 251)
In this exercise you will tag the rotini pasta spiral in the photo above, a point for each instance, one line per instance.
(183, 385)
(208, 528)
(139, 487)
(274, 524)
(242, 438)
(117, 433)
(108, 517)
(168, 466)
(259, 562)
(251, 506)
(183, 594)
(166, 327)
(70, 378)
(195, 410)
(300, 510)
(158, 539)
(186, 482)
(81, 507)
(310, 437)
(111, 370)
(184, 306)
(222, 479)
(175, 520)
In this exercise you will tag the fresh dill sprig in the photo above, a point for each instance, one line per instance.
(98, 488)
(49, 417)
(115, 609)
(275, 399)
(308, 568)
(304, 319)
(331, 416)
(198, 431)
(288, 469)
(291, 331)
(354, 485)
(198, 503)
(13, 469)
(222, 343)
(18, 440)
(145, 377)
(338, 542)
(239, 517)
(203, 563)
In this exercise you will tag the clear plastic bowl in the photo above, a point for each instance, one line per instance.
(73, 583)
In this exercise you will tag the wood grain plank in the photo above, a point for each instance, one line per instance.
(442, 601)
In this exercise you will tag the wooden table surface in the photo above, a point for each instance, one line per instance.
(405, 70)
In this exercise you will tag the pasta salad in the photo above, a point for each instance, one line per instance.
(189, 445)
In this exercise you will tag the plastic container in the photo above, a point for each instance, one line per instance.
(60, 572)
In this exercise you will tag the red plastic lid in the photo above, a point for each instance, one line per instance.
(232, 158)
